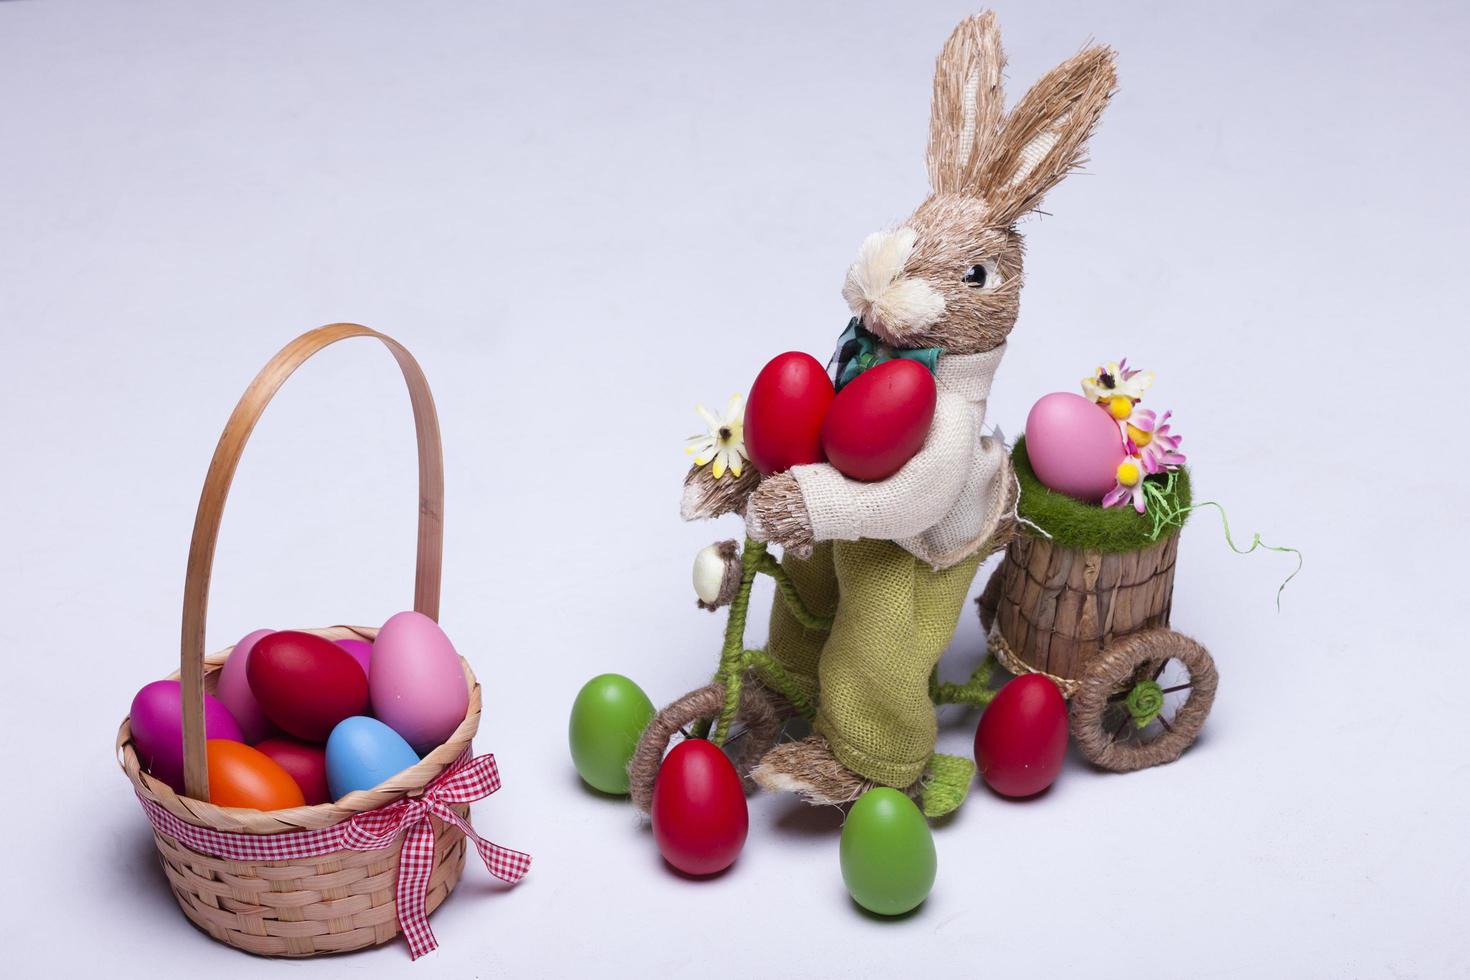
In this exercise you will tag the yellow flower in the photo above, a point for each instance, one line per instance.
(724, 444)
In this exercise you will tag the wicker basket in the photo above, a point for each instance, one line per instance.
(340, 901)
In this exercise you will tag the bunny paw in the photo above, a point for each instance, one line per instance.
(777, 514)
(706, 497)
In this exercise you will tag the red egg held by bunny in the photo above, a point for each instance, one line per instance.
(880, 419)
(784, 414)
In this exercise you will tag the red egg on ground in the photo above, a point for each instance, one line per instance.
(880, 419)
(699, 813)
(1022, 738)
(304, 762)
(305, 684)
(784, 413)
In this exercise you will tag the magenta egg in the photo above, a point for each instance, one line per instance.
(1074, 446)
(157, 719)
(361, 650)
(234, 690)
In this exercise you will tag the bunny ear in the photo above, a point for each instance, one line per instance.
(968, 104)
(1045, 136)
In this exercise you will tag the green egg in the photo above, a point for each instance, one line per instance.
(888, 861)
(608, 716)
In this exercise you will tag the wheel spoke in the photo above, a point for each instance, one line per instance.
(1122, 726)
(1179, 687)
(1162, 664)
(1165, 722)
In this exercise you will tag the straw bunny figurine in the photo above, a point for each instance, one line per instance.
(892, 561)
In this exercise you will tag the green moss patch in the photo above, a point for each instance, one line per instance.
(1075, 524)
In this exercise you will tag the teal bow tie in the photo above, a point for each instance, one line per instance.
(859, 349)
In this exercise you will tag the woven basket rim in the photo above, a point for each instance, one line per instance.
(238, 820)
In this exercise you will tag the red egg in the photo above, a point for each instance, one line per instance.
(880, 419)
(305, 684)
(304, 762)
(784, 413)
(699, 814)
(243, 776)
(1022, 738)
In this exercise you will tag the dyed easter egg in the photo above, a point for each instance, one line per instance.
(157, 719)
(1021, 741)
(305, 684)
(234, 690)
(361, 650)
(608, 717)
(363, 752)
(1074, 446)
(880, 419)
(698, 813)
(305, 762)
(784, 413)
(417, 683)
(887, 853)
(246, 777)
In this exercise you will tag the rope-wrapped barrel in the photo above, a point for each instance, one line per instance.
(1058, 607)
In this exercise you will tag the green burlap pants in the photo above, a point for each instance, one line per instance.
(893, 615)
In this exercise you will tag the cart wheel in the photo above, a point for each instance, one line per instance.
(757, 715)
(1143, 701)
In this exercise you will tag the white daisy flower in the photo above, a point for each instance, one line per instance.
(1116, 380)
(724, 444)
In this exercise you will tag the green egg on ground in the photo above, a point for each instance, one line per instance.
(888, 860)
(608, 716)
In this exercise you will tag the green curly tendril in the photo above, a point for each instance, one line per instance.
(1166, 514)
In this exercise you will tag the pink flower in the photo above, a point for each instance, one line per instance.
(1147, 436)
(1130, 485)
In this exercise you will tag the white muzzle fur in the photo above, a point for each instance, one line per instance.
(889, 304)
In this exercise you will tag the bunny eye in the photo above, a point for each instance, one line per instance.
(982, 274)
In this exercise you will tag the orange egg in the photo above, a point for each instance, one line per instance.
(242, 776)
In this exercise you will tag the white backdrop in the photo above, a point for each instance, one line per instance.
(583, 221)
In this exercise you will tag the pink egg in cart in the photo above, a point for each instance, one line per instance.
(1074, 446)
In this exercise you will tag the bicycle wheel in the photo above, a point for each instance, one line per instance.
(757, 714)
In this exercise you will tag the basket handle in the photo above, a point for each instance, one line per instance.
(217, 486)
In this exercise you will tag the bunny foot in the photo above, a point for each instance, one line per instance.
(809, 769)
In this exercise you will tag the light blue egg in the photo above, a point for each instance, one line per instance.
(363, 752)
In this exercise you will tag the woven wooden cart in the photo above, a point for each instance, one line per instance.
(339, 901)
(1097, 623)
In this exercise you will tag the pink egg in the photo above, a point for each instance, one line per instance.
(1074, 446)
(234, 690)
(417, 685)
(157, 720)
(361, 650)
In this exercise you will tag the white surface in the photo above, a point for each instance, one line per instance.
(582, 222)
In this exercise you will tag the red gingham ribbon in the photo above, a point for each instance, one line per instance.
(463, 782)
